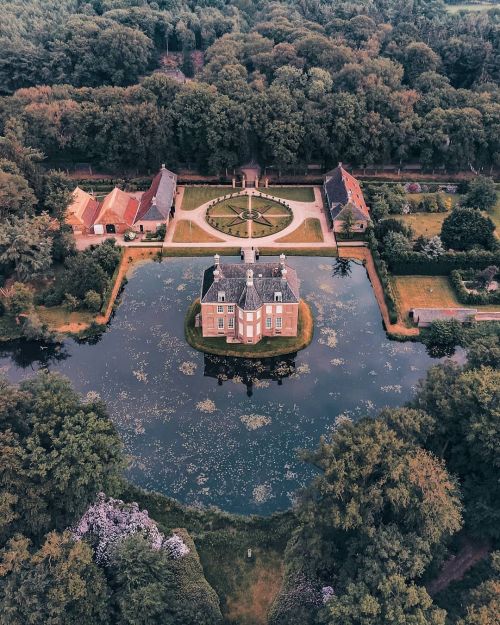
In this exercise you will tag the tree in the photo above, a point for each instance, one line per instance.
(391, 602)
(16, 196)
(466, 227)
(20, 299)
(348, 222)
(418, 58)
(482, 193)
(371, 477)
(92, 301)
(395, 245)
(467, 434)
(25, 244)
(58, 584)
(68, 450)
(379, 208)
(443, 336)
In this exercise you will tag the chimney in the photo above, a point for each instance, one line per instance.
(153, 201)
(249, 277)
(216, 260)
(340, 163)
(216, 275)
(163, 165)
(283, 274)
(282, 261)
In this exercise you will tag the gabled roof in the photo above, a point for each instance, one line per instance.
(117, 207)
(267, 280)
(341, 188)
(82, 210)
(157, 200)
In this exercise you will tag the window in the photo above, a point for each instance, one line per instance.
(221, 296)
(240, 314)
(279, 310)
(220, 309)
(269, 309)
(249, 331)
(230, 323)
(258, 314)
(269, 323)
(220, 323)
(230, 309)
(249, 316)
(278, 296)
(279, 323)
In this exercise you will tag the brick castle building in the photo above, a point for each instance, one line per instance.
(247, 301)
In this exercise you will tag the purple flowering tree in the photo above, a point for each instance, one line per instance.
(109, 521)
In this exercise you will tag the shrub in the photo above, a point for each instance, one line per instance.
(467, 227)
(70, 302)
(92, 301)
(442, 336)
(35, 330)
(20, 299)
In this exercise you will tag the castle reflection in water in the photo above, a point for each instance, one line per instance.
(249, 371)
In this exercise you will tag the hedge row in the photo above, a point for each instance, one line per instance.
(383, 274)
(465, 297)
(417, 263)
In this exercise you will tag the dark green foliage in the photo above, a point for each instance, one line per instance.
(151, 587)
(442, 337)
(392, 225)
(469, 298)
(58, 584)
(465, 228)
(482, 193)
(58, 452)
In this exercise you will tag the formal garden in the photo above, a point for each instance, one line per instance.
(249, 215)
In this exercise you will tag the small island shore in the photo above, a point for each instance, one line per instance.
(265, 348)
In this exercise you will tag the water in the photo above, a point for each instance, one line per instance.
(214, 431)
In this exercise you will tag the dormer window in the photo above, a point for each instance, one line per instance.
(278, 296)
(221, 296)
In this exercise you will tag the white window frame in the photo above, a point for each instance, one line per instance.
(249, 332)
(279, 310)
(278, 296)
(221, 296)
(220, 309)
(269, 323)
(230, 323)
(249, 316)
(269, 310)
(230, 308)
(279, 323)
(220, 323)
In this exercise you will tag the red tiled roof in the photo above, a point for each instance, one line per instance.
(117, 207)
(83, 209)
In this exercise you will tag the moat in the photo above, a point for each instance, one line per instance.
(213, 431)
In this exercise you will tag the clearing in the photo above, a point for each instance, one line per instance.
(424, 224)
(299, 194)
(427, 292)
(196, 196)
(186, 231)
(309, 231)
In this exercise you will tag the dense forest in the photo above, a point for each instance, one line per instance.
(289, 83)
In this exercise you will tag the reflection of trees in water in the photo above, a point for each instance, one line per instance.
(249, 371)
(342, 267)
(34, 354)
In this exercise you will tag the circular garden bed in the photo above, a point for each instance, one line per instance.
(242, 216)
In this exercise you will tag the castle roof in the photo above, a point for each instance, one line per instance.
(267, 280)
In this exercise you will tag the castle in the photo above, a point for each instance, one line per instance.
(247, 301)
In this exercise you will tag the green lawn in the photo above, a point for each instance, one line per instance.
(277, 225)
(309, 231)
(300, 194)
(424, 224)
(196, 196)
(188, 232)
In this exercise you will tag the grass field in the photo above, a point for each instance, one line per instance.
(299, 194)
(427, 292)
(426, 224)
(188, 232)
(466, 6)
(196, 196)
(309, 231)
(57, 316)
(227, 226)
